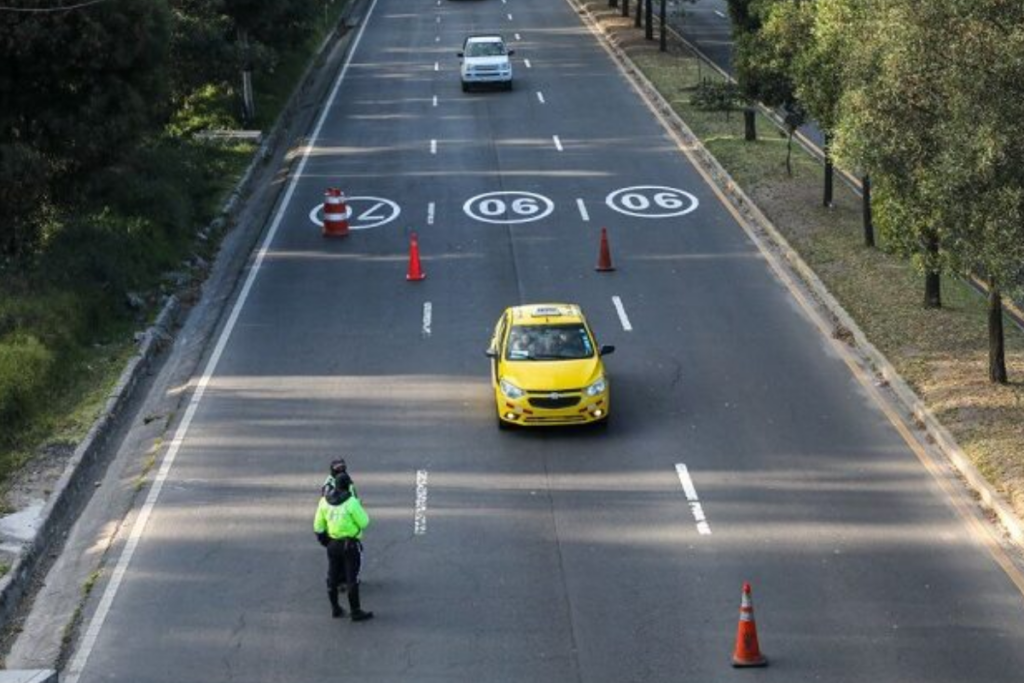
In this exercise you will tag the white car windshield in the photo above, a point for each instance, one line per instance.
(481, 49)
(548, 342)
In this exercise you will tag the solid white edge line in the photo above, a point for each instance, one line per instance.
(419, 521)
(540, 97)
(621, 310)
(81, 658)
(430, 213)
(582, 206)
(428, 317)
(558, 143)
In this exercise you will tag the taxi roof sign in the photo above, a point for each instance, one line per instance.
(546, 311)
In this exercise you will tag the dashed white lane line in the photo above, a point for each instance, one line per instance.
(518, 37)
(428, 315)
(582, 206)
(430, 213)
(419, 522)
(92, 631)
(433, 146)
(437, 66)
(437, 39)
(558, 143)
(621, 310)
(438, 19)
(540, 97)
(435, 100)
(527, 63)
(703, 528)
(720, 13)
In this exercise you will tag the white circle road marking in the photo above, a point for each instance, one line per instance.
(652, 201)
(372, 215)
(495, 207)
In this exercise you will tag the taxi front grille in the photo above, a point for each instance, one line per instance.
(568, 419)
(549, 403)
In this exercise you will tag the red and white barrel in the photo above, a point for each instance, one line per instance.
(335, 213)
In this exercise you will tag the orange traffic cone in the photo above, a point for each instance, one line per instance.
(604, 259)
(415, 272)
(747, 651)
(335, 214)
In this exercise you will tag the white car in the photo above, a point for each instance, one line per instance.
(485, 61)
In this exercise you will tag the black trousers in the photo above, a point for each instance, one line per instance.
(344, 558)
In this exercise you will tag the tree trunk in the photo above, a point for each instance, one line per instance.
(869, 222)
(664, 38)
(625, 8)
(613, 3)
(649, 28)
(749, 124)
(789, 155)
(996, 338)
(638, 20)
(933, 276)
(827, 199)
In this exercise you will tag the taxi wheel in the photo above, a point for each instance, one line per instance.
(602, 424)
(503, 426)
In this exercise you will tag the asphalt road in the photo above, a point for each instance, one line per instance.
(562, 555)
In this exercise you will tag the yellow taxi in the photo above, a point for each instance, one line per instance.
(546, 367)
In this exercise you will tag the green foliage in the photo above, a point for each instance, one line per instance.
(713, 95)
(25, 365)
(763, 70)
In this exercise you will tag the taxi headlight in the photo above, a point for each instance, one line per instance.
(511, 390)
(597, 387)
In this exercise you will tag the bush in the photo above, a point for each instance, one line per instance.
(25, 366)
(717, 96)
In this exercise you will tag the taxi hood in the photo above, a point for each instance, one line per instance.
(552, 375)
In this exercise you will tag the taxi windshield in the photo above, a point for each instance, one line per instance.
(490, 48)
(548, 342)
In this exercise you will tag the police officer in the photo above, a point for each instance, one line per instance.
(339, 523)
(338, 468)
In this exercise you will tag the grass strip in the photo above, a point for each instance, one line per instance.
(942, 354)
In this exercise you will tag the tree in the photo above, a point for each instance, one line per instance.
(982, 138)
(890, 112)
(814, 66)
(77, 89)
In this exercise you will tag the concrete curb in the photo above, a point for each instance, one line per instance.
(75, 485)
(841, 320)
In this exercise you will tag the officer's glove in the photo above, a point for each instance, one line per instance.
(324, 539)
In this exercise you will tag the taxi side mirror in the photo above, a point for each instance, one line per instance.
(607, 350)
(460, 55)
(491, 353)
(511, 52)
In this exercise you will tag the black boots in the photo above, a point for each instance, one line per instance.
(336, 610)
(353, 604)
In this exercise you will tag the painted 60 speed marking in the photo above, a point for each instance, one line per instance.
(652, 201)
(508, 207)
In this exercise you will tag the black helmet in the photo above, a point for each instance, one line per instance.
(338, 467)
(342, 482)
